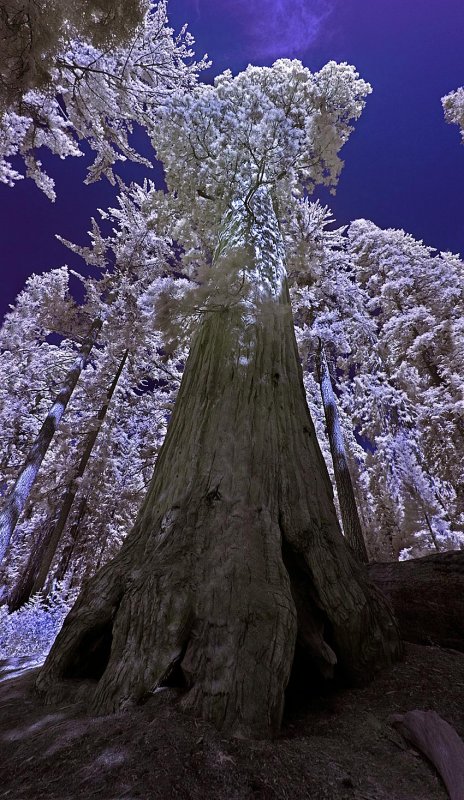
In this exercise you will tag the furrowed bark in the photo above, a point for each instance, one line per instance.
(348, 508)
(16, 500)
(201, 587)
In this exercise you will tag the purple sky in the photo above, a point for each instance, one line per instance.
(404, 165)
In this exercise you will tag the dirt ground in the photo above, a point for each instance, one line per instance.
(336, 746)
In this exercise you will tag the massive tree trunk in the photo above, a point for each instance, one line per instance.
(16, 500)
(348, 508)
(427, 596)
(236, 552)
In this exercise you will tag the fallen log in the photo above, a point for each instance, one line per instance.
(427, 596)
(439, 742)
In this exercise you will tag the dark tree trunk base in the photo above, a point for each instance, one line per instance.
(224, 632)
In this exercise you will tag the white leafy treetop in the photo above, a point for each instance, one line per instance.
(279, 126)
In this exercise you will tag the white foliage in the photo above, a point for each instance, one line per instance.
(90, 88)
(32, 629)
(453, 106)
(408, 400)
(279, 126)
(382, 303)
(134, 271)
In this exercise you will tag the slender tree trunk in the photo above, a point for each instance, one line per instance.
(17, 498)
(55, 538)
(431, 531)
(349, 511)
(38, 566)
(22, 589)
(236, 550)
(69, 551)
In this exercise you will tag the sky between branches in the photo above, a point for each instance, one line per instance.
(404, 165)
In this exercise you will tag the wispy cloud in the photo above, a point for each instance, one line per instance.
(279, 28)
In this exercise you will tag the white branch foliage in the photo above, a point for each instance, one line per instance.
(133, 263)
(280, 126)
(453, 107)
(268, 133)
(411, 403)
(88, 87)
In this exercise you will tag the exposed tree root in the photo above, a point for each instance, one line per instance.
(439, 742)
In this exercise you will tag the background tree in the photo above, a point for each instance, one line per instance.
(418, 304)
(17, 497)
(29, 379)
(396, 480)
(348, 508)
(133, 266)
(453, 106)
(330, 312)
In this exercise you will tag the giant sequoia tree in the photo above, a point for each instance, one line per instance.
(236, 557)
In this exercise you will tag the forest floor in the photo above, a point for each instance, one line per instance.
(337, 746)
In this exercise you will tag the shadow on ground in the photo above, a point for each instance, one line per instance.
(338, 746)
